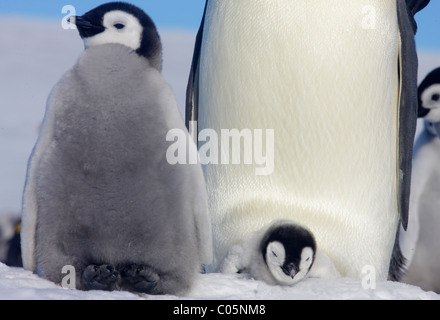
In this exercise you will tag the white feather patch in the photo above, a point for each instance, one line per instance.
(328, 86)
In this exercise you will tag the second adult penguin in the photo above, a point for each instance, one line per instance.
(100, 194)
(336, 81)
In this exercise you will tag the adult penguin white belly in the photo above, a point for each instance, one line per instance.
(324, 75)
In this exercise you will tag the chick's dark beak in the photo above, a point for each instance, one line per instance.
(85, 27)
(290, 270)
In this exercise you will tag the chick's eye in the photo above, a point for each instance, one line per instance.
(119, 26)
(435, 97)
(273, 252)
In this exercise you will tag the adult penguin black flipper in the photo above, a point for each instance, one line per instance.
(191, 113)
(258, 64)
(408, 95)
(408, 98)
(408, 68)
(416, 5)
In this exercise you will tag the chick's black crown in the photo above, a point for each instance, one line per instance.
(432, 78)
(92, 24)
(294, 239)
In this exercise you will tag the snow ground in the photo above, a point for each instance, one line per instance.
(34, 56)
(15, 283)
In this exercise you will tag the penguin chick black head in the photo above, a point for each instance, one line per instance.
(123, 23)
(289, 252)
(429, 97)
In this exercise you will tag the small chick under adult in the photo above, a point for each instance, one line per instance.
(282, 254)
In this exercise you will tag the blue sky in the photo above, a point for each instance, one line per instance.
(186, 14)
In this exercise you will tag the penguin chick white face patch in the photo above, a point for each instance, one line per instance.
(306, 261)
(120, 27)
(431, 101)
(287, 272)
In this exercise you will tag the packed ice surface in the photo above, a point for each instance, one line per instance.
(34, 55)
(16, 283)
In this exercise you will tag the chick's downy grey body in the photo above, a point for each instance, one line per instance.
(100, 193)
(424, 268)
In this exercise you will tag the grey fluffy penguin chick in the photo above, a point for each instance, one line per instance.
(424, 268)
(283, 253)
(100, 194)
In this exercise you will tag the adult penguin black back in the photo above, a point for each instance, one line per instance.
(310, 70)
(100, 194)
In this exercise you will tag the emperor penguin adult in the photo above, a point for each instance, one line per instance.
(423, 270)
(100, 194)
(336, 81)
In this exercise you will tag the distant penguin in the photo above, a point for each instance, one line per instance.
(100, 194)
(429, 97)
(10, 252)
(424, 270)
(336, 82)
(282, 254)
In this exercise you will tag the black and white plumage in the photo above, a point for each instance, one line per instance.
(100, 194)
(119, 22)
(289, 252)
(429, 97)
(337, 82)
(422, 236)
(282, 254)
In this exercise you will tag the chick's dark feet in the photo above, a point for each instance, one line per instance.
(104, 277)
(140, 278)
